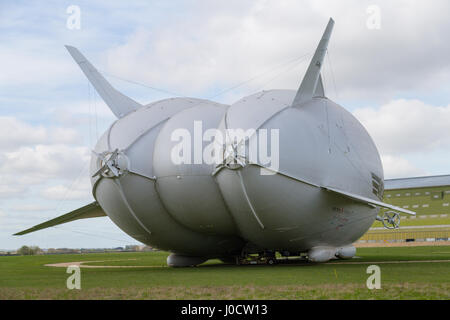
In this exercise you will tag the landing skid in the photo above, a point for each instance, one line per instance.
(268, 259)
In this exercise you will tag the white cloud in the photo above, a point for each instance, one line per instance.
(32, 60)
(30, 207)
(61, 192)
(398, 167)
(410, 135)
(46, 161)
(218, 46)
(36, 155)
(214, 45)
(9, 188)
(211, 49)
(15, 133)
(407, 126)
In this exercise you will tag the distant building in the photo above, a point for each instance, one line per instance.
(138, 248)
(132, 248)
(423, 195)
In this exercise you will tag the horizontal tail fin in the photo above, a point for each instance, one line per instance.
(119, 104)
(370, 201)
(92, 210)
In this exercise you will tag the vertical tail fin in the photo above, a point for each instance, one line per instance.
(309, 87)
(119, 104)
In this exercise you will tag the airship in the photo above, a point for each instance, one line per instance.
(279, 172)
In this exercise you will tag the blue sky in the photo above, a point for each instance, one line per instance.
(395, 80)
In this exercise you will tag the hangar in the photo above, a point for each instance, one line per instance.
(429, 197)
(423, 195)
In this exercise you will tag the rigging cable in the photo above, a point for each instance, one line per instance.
(332, 74)
(289, 68)
(238, 85)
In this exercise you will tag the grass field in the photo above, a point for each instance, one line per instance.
(26, 277)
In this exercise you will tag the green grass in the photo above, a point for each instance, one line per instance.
(26, 277)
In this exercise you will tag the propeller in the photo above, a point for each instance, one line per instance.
(232, 157)
(390, 219)
(110, 164)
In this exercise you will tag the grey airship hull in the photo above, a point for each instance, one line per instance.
(315, 188)
(188, 210)
(149, 202)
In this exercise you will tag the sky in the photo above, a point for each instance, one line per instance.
(388, 63)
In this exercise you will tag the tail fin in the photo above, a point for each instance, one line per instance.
(92, 210)
(119, 104)
(309, 87)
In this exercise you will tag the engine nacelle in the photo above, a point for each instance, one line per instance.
(321, 254)
(346, 252)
